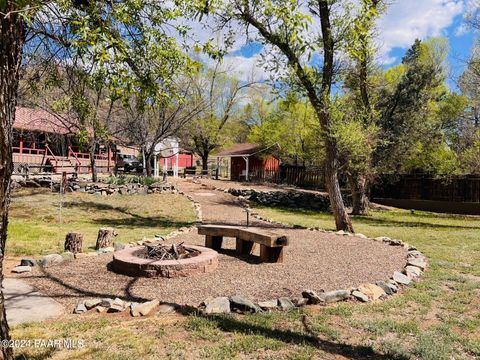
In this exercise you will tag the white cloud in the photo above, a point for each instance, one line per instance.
(407, 20)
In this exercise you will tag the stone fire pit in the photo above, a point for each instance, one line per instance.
(131, 262)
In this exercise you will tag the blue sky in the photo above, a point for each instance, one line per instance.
(403, 22)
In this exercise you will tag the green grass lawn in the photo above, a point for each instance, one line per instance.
(437, 318)
(40, 219)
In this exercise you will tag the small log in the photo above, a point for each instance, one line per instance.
(104, 238)
(73, 242)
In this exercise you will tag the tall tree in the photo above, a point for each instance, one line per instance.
(121, 37)
(290, 28)
(221, 95)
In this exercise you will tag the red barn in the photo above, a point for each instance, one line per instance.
(249, 160)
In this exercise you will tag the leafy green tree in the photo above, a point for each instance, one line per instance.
(293, 126)
(295, 31)
(126, 39)
(211, 128)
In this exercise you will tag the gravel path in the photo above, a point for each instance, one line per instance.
(313, 260)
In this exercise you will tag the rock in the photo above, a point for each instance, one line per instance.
(392, 285)
(28, 262)
(143, 309)
(80, 309)
(360, 296)
(361, 236)
(67, 255)
(105, 250)
(117, 305)
(312, 297)
(418, 262)
(401, 278)
(80, 255)
(21, 269)
(219, 305)
(414, 254)
(52, 259)
(106, 303)
(240, 304)
(268, 304)
(91, 303)
(341, 232)
(385, 287)
(334, 296)
(118, 246)
(300, 301)
(412, 272)
(165, 309)
(101, 309)
(372, 291)
(285, 303)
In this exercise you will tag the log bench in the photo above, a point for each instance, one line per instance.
(271, 244)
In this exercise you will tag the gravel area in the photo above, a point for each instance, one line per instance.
(313, 260)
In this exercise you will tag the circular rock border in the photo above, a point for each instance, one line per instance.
(126, 262)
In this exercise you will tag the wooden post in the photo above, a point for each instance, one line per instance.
(105, 236)
(244, 247)
(271, 254)
(73, 242)
(213, 242)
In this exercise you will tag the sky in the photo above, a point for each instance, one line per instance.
(403, 22)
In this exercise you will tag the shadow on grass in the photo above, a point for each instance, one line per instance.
(369, 220)
(135, 219)
(234, 325)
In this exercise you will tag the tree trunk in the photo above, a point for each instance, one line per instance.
(148, 164)
(12, 37)
(93, 165)
(205, 160)
(358, 187)
(342, 220)
(73, 242)
(104, 238)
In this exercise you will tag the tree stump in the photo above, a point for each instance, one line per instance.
(73, 242)
(105, 236)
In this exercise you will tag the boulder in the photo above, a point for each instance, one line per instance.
(21, 269)
(52, 259)
(284, 303)
(361, 236)
(300, 301)
(373, 292)
(101, 309)
(312, 297)
(28, 262)
(243, 305)
(105, 250)
(385, 287)
(143, 309)
(418, 262)
(117, 305)
(360, 296)
(219, 305)
(401, 278)
(334, 296)
(80, 309)
(91, 303)
(165, 309)
(412, 272)
(268, 304)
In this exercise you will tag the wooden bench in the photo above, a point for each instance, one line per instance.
(271, 244)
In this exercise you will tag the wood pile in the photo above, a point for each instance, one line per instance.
(169, 252)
